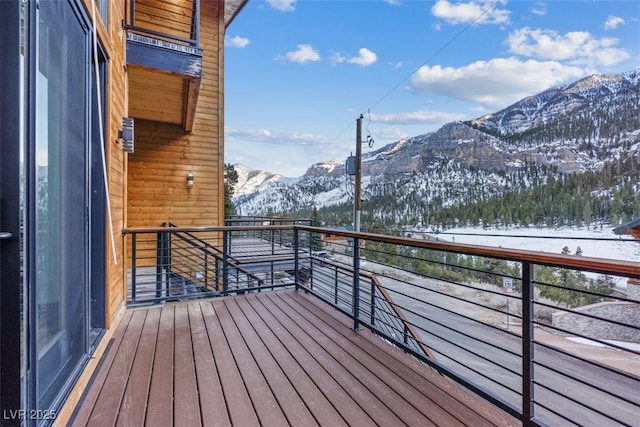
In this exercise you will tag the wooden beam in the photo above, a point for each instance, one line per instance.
(191, 89)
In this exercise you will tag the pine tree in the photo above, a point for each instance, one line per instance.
(230, 181)
(316, 239)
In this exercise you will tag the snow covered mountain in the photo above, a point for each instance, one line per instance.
(255, 181)
(537, 110)
(574, 128)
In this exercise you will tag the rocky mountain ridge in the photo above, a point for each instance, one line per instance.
(569, 129)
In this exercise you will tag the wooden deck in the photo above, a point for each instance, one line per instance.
(274, 359)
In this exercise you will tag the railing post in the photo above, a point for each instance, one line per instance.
(336, 283)
(273, 242)
(133, 267)
(373, 302)
(167, 262)
(527, 344)
(196, 29)
(217, 273)
(206, 266)
(160, 255)
(132, 11)
(272, 273)
(356, 283)
(296, 259)
(311, 275)
(225, 261)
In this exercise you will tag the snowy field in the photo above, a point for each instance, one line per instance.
(599, 243)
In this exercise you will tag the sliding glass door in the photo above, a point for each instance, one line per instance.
(61, 199)
(52, 204)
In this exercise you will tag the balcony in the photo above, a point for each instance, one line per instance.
(253, 324)
(164, 60)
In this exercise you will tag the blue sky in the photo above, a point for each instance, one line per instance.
(299, 73)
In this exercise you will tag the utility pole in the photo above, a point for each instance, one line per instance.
(357, 202)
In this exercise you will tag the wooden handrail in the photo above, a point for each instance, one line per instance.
(583, 263)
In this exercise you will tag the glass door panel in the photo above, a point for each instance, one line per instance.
(61, 197)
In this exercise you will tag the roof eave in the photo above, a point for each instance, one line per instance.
(231, 9)
(626, 228)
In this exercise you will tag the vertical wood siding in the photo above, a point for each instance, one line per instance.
(164, 153)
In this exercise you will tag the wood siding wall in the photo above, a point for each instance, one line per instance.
(116, 161)
(164, 153)
(174, 18)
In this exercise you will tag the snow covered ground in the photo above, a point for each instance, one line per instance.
(599, 243)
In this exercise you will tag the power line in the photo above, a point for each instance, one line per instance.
(440, 50)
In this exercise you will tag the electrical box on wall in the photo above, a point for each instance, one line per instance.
(126, 134)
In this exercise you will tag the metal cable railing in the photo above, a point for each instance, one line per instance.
(543, 350)
(547, 338)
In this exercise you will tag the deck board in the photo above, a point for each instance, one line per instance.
(135, 398)
(271, 358)
(210, 390)
(446, 403)
(301, 380)
(186, 401)
(94, 387)
(118, 376)
(264, 402)
(394, 394)
(344, 403)
(240, 407)
(161, 386)
(284, 392)
(321, 348)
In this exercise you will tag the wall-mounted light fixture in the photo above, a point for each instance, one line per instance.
(126, 134)
(190, 178)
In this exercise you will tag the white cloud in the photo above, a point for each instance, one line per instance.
(394, 2)
(236, 41)
(539, 9)
(267, 137)
(416, 117)
(283, 5)
(612, 22)
(337, 58)
(496, 83)
(305, 53)
(576, 47)
(263, 149)
(248, 134)
(365, 58)
(466, 12)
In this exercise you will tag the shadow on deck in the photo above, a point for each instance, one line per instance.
(272, 358)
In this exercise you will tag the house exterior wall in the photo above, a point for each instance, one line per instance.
(164, 153)
(116, 160)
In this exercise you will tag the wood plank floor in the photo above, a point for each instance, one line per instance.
(273, 359)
